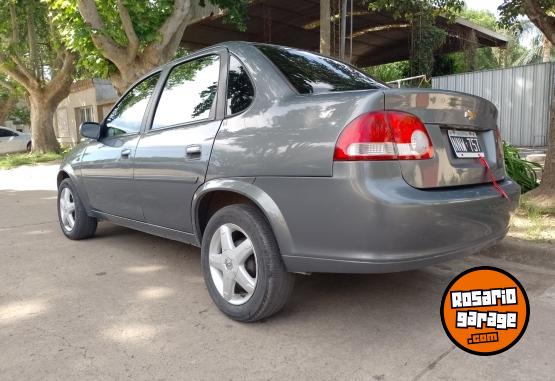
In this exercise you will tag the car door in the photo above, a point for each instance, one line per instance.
(4, 139)
(8, 143)
(172, 155)
(107, 164)
(20, 141)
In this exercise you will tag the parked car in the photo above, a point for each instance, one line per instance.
(278, 161)
(14, 141)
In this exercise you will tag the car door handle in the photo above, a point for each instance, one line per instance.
(193, 151)
(125, 153)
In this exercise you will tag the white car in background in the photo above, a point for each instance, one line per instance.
(14, 141)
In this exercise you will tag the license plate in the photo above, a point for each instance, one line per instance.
(465, 143)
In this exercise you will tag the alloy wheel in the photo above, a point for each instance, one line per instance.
(67, 209)
(233, 265)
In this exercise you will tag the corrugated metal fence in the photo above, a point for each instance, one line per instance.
(521, 94)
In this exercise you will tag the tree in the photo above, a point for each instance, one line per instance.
(390, 71)
(8, 98)
(475, 58)
(426, 38)
(125, 39)
(542, 14)
(31, 55)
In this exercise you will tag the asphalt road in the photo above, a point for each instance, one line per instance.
(128, 305)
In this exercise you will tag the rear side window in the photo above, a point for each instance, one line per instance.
(189, 92)
(240, 90)
(312, 74)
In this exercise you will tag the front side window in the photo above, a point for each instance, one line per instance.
(312, 74)
(189, 93)
(240, 91)
(127, 116)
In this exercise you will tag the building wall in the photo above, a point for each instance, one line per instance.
(104, 90)
(522, 95)
(95, 95)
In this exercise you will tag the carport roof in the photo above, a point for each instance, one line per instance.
(378, 38)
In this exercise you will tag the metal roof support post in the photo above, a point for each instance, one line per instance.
(343, 34)
(351, 36)
(325, 28)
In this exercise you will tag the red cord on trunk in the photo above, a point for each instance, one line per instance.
(485, 164)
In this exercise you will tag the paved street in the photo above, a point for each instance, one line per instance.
(129, 305)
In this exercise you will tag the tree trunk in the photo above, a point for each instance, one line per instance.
(130, 74)
(131, 62)
(43, 138)
(546, 50)
(6, 106)
(544, 195)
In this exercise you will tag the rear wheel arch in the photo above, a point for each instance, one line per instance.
(216, 194)
(215, 200)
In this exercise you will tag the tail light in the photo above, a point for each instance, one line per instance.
(384, 135)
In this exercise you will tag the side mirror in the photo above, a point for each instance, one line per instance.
(90, 130)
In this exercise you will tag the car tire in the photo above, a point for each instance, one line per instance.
(73, 218)
(272, 283)
(29, 147)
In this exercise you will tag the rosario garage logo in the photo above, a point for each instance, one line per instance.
(485, 311)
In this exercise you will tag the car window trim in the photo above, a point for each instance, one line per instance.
(226, 116)
(135, 84)
(221, 53)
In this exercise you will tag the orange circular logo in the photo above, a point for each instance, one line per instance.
(485, 310)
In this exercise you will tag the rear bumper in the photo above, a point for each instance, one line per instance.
(367, 219)
(341, 265)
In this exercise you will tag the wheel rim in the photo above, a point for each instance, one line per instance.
(233, 265)
(67, 209)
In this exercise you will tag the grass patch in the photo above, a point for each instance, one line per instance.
(533, 223)
(16, 159)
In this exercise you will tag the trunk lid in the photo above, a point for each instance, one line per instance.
(442, 111)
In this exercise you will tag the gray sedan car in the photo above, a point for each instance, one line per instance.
(278, 161)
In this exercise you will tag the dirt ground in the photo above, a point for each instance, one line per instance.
(128, 305)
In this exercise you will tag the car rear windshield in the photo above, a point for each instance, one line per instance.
(313, 74)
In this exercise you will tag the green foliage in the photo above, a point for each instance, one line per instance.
(520, 170)
(482, 58)
(147, 16)
(389, 72)
(20, 115)
(47, 41)
(409, 9)
(481, 17)
(426, 38)
(12, 97)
